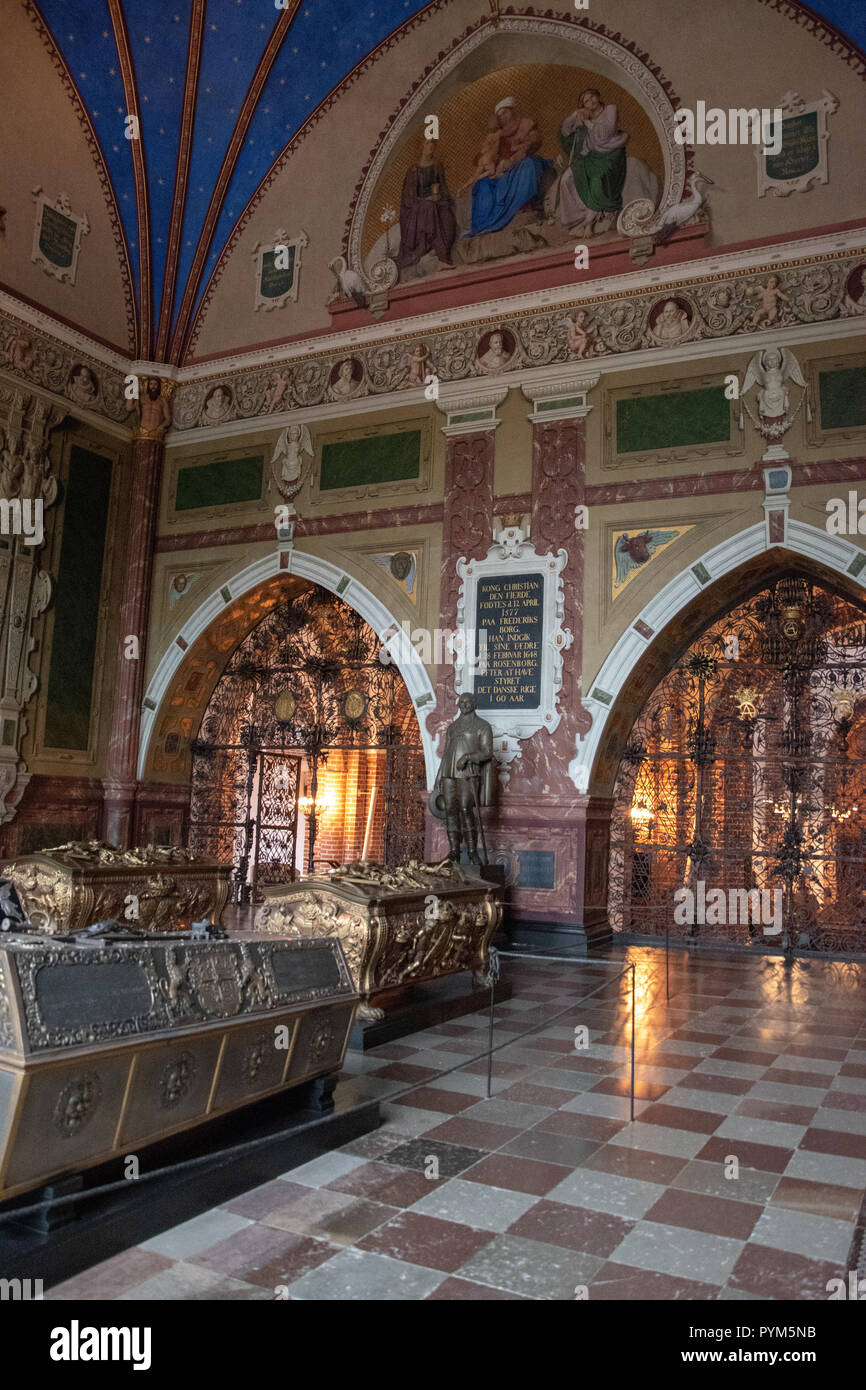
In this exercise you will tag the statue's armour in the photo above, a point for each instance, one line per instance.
(462, 742)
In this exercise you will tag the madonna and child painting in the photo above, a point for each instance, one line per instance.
(536, 179)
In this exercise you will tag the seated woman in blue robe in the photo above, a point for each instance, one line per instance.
(509, 173)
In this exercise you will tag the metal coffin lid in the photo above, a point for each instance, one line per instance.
(56, 996)
(82, 861)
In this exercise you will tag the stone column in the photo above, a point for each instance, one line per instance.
(544, 807)
(120, 781)
(467, 530)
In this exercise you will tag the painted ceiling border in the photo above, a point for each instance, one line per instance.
(181, 174)
(264, 66)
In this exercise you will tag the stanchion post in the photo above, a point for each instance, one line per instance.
(633, 989)
(493, 976)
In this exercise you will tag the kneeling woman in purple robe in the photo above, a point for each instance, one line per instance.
(427, 221)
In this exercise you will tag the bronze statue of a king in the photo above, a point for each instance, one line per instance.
(464, 782)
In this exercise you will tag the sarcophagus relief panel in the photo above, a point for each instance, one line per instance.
(155, 888)
(118, 1043)
(397, 925)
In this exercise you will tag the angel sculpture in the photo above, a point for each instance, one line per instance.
(287, 460)
(769, 371)
(631, 552)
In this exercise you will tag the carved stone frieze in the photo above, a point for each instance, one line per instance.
(38, 358)
(716, 306)
(720, 306)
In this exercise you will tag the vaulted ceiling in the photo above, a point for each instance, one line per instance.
(219, 88)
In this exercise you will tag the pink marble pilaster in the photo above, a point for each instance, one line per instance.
(120, 777)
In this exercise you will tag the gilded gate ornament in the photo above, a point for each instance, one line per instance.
(747, 701)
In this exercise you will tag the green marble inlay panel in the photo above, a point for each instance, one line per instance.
(387, 458)
(219, 484)
(843, 398)
(560, 403)
(468, 416)
(672, 420)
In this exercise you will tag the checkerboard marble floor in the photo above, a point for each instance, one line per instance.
(547, 1190)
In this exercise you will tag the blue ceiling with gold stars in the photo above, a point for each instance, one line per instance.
(219, 88)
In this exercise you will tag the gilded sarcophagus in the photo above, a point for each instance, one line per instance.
(112, 1044)
(397, 926)
(155, 888)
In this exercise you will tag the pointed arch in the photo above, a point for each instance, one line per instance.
(336, 581)
(672, 617)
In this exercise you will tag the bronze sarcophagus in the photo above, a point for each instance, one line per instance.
(397, 926)
(111, 1044)
(155, 888)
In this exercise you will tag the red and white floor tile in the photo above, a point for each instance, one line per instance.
(741, 1176)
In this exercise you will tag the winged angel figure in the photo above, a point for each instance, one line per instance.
(769, 371)
(287, 460)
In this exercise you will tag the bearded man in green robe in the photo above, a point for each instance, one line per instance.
(590, 190)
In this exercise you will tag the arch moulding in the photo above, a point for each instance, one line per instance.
(610, 56)
(831, 555)
(328, 576)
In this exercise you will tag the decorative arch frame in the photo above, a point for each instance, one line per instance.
(596, 759)
(633, 69)
(336, 581)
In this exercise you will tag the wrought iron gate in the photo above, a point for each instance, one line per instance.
(305, 686)
(740, 802)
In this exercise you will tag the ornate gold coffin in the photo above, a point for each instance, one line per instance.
(155, 888)
(397, 926)
(111, 1045)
